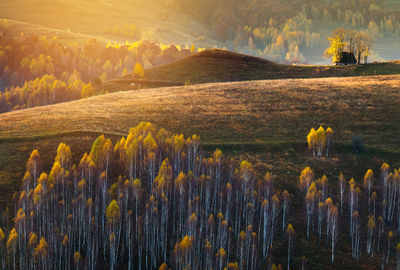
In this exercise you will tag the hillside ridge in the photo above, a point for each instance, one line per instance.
(217, 65)
(227, 54)
(249, 111)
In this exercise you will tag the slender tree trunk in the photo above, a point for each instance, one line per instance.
(288, 258)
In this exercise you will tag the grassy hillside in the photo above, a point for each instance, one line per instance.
(220, 66)
(242, 112)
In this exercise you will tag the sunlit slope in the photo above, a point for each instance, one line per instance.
(93, 17)
(221, 66)
(242, 112)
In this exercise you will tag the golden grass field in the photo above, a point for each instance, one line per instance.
(240, 112)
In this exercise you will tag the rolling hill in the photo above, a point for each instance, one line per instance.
(220, 66)
(274, 110)
(217, 65)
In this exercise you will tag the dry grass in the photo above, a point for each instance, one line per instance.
(242, 112)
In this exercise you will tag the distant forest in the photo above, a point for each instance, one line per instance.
(284, 29)
(38, 71)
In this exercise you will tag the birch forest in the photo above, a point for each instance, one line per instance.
(156, 200)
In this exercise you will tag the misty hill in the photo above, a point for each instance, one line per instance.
(222, 66)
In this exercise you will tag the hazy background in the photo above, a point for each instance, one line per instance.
(291, 31)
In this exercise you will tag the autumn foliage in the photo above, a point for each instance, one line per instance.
(155, 199)
(152, 199)
(37, 71)
(320, 141)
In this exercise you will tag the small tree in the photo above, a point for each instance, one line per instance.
(290, 234)
(398, 256)
(77, 259)
(2, 249)
(113, 213)
(342, 189)
(34, 166)
(333, 229)
(221, 255)
(389, 238)
(370, 235)
(306, 178)
(312, 140)
(362, 45)
(41, 252)
(321, 140)
(337, 44)
(12, 244)
(138, 71)
(285, 207)
(329, 139)
(87, 91)
(368, 182)
(192, 49)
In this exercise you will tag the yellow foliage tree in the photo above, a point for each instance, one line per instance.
(312, 140)
(337, 43)
(290, 234)
(113, 213)
(87, 91)
(321, 140)
(306, 177)
(77, 259)
(41, 249)
(329, 139)
(138, 71)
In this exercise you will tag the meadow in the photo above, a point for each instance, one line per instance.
(237, 112)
